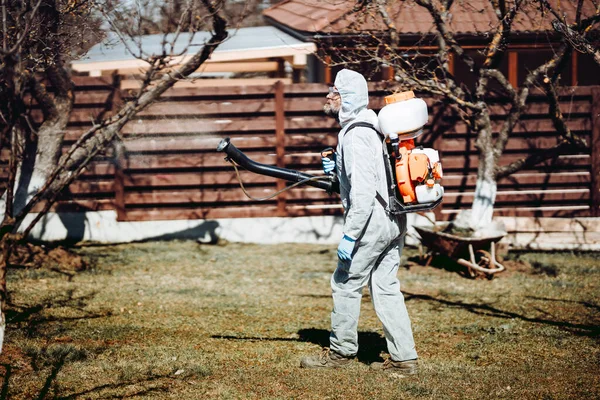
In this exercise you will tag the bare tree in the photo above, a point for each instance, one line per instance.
(38, 37)
(426, 68)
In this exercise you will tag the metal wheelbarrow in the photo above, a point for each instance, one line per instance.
(477, 253)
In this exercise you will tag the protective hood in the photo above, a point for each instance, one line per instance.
(354, 92)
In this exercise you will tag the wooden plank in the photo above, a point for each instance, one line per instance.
(78, 115)
(234, 195)
(134, 84)
(210, 107)
(78, 205)
(208, 125)
(531, 126)
(514, 143)
(223, 179)
(524, 197)
(92, 97)
(87, 81)
(199, 143)
(207, 142)
(527, 179)
(202, 160)
(542, 211)
(217, 91)
(197, 125)
(82, 99)
(547, 225)
(470, 162)
(541, 109)
(83, 187)
(254, 66)
(99, 169)
(573, 240)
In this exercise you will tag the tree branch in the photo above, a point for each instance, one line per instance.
(533, 159)
(72, 164)
(519, 106)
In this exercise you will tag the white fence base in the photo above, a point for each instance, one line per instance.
(103, 227)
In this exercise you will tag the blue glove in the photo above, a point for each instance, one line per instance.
(345, 248)
(328, 164)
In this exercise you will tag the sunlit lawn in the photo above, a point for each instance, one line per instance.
(189, 321)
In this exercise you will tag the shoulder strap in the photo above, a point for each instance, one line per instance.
(363, 125)
(378, 196)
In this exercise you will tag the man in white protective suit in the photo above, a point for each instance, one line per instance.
(369, 252)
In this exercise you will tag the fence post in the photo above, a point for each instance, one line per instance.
(119, 155)
(280, 143)
(119, 184)
(595, 149)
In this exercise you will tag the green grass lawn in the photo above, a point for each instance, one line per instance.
(188, 321)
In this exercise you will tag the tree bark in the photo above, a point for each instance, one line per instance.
(482, 209)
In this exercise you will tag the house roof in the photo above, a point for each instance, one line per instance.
(243, 44)
(466, 16)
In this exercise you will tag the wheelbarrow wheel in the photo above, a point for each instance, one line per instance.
(485, 261)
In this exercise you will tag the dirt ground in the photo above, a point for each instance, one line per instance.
(189, 321)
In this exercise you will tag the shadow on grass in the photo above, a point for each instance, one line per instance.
(67, 355)
(489, 311)
(33, 320)
(160, 388)
(371, 344)
(5, 380)
(31, 317)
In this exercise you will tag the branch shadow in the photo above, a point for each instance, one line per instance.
(589, 330)
(71, 355)
(5, 380)
(55, 356)
(162, 387)
(32, 317)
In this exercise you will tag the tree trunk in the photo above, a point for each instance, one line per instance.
(40, 158)
(482, 209)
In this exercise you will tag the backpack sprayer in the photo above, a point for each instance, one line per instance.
(413, 173)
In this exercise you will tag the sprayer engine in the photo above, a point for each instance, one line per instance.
(417, 171)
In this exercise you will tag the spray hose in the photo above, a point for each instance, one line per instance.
(277, 193)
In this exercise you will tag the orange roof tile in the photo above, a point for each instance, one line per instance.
(466, 16)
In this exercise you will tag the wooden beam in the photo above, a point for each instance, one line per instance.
(574, 59)
(200, 83)
(388, 73)
(513, 68)
(451, 63)
(256, 66)
(327, 75)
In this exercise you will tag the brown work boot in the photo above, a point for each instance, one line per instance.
(327, 359)
(408, 367)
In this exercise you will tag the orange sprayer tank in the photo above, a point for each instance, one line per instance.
(418, 170)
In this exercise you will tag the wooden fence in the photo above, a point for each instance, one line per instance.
(168, 168)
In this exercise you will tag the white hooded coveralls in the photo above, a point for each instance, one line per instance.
(379, 236)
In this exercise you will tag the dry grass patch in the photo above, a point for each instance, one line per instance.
(189, 321)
